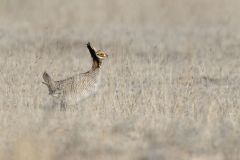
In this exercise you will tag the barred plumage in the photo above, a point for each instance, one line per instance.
(72, 90)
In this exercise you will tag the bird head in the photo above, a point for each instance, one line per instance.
(101, 55)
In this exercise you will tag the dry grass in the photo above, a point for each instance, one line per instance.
(170, 86)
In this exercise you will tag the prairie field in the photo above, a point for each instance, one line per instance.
(170, 88)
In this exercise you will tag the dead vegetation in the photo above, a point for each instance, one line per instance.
(170, 91)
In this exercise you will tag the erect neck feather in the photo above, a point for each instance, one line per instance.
(96, 61)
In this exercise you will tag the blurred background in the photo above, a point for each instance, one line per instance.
(92, 13)
(170, 87)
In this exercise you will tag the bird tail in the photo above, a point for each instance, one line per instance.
(49, 82)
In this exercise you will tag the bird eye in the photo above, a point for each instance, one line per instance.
(101, 54)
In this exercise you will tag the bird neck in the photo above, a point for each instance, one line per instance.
(96, 64)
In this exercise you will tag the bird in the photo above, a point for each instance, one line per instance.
(72, 90)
